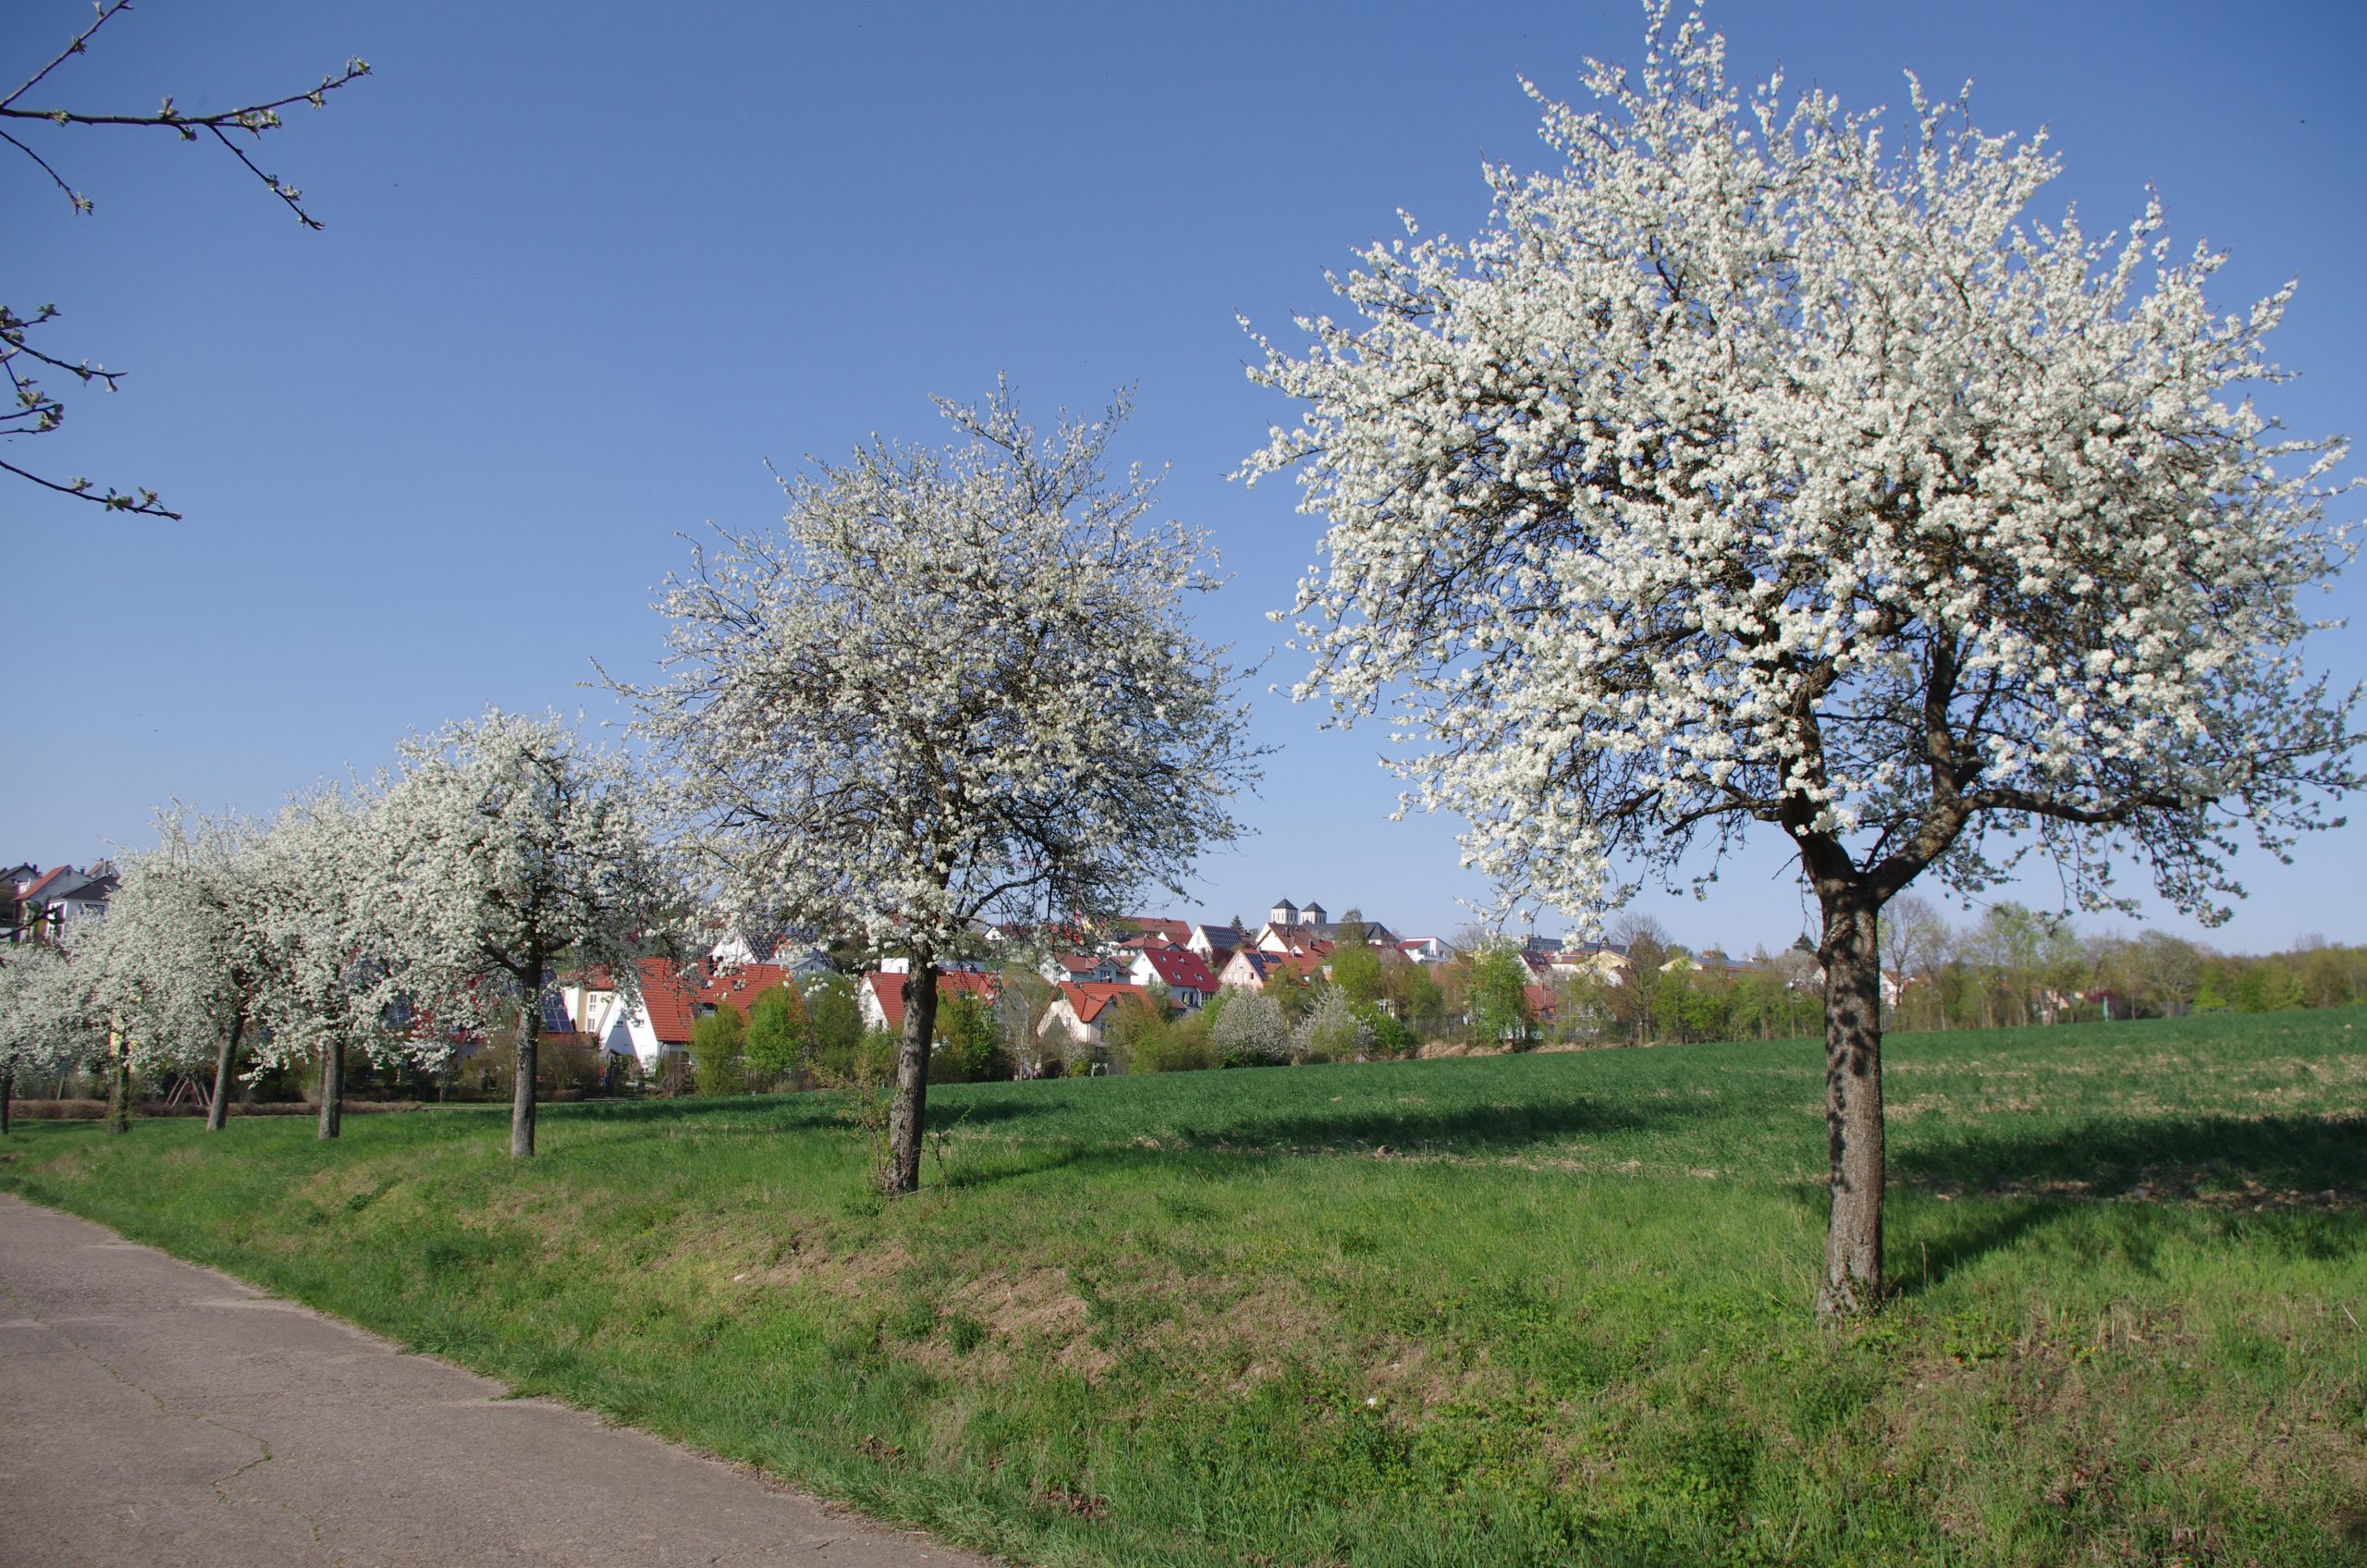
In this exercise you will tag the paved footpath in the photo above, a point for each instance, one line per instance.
(156, 1413)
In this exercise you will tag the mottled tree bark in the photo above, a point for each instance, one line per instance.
(118, 1083)
(226, 1067)
(529, 1040)
(907, 1113)
(1853, 1103)
(332, 1088)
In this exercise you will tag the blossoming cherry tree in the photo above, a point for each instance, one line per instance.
(1752, 469)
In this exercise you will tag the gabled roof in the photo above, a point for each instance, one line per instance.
(1303, 938)
(669, 999)
(1261, 963)
(738, 987)
(47, 884)
(1152, 926)
(760, 944)
(1181, 966)
(91, 889)
(1306, 961)
(1091, 999)
(888, 991)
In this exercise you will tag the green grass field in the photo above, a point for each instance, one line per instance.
(1526, 1309)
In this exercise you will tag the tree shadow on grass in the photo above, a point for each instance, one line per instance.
(2278, 1161)
(2300, 1180)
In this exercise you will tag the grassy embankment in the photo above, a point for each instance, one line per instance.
(1541, 1308)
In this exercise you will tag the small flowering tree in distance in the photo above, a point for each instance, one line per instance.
(505, 844)
(957, 685)
(178, 960)
(46, 1019)
(1251, 1031)
(1753, 469)
(329, 981)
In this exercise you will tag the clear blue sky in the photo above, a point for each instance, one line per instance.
(587, 266)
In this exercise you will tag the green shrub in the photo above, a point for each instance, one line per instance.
(780, 1036)
(1178, 1049)
(968, 1049)
(1388, 1034)
(718, 1052)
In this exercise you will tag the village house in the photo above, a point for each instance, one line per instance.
(657, 1027)
(1182, 971)
(1099, 969)
(880, 997)
(1251, 968)
(1215, 943)
(53, 905)
(792, 950)
(1082, 1011)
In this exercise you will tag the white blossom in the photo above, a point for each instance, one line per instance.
(184, 946)
(505, 845)
(955, 685)
(332, 980)
(48, 1019)
(1752, 466)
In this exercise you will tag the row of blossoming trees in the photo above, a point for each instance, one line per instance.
(398, 915)
(957, 687)
(1750, 472)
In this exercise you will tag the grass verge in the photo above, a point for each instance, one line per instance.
(1546, 1308)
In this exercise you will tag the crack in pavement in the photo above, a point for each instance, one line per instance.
(220, 1484)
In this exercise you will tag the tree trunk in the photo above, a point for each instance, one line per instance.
(332, 1087)
(226, 1066)
(908, 1111)
(1853, 1104)
(119, 1083)
(7, 1093)
(529, 1040)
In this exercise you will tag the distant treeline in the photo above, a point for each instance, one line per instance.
(2011, 966)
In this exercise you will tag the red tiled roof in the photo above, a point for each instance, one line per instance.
(737, 987)
(1181, 966)
(889, 991)
(1175, 931)
(1306, 962)
(1091, 998)
(669, 1001)
(1541, 1001)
